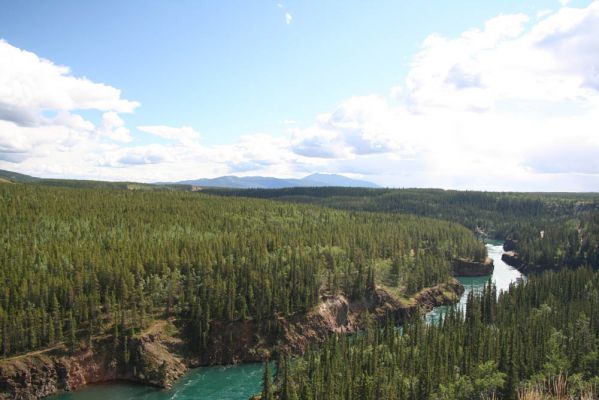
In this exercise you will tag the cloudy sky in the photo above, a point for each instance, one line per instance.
(503, 96)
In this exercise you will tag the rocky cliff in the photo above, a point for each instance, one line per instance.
(463, 267)
(155, 360)
(159, 358)
(512, 259)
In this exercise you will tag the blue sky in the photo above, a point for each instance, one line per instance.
(236, 67)
(232, 69)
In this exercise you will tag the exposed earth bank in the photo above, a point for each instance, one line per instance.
(512, 259)
(159, 357)
(463, 267)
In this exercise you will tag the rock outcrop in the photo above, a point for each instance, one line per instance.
(463, 267)
(41, 374)
(160, 359)
(512, 259)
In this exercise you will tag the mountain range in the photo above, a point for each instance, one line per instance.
(234, 182)
(264, 182)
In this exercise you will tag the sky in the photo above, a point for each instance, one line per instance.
(494, 95)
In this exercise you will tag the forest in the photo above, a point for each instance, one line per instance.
(550, 230)
(83, 261)
(538, 339)
(77, 263)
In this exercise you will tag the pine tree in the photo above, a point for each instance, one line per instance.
(72, 340)
(267, 390)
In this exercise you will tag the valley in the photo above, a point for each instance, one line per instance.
(166, 287)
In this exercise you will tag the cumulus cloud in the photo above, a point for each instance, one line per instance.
(554, 60)
(185, 134)
(359, 126)
(30, 84)
(39, 101)
(144, 155)
(288, 18)
(113, 127)
(513, 105)
(499, 101)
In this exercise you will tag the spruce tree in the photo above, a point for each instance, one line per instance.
(267, 389)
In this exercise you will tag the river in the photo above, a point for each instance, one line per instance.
(239, 382)
(234, 382)
(503, 275)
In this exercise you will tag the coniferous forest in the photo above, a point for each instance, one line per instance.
(539, 338)
(81, 261)
(550, 230)
(77, 263)
(299, 200)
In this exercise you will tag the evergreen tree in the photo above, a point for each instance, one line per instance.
(267, 389)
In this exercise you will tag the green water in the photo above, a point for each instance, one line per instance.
(503, 275)
(224, 383)
(239, 382)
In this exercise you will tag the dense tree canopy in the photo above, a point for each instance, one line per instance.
(74, 262)
(552, 230)
(527, 339)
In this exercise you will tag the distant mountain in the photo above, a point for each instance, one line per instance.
(338, 180)
(16, 177)
(263, 182)
(234, 182)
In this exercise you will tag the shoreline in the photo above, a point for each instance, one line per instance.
(161, 360)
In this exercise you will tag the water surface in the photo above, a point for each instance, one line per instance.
(235, 382)
(503, 275)
(239, 382)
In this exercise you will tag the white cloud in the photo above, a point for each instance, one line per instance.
(38, 105)
(288, 18)
(30, 84)
(565, 2)
(113, 127)
(185, 134)
(555, 60)
(481, 105)
(141, 155)
(359, 126)
(511, 106)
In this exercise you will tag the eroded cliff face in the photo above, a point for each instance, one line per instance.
(512, 259)
(240, 341)
(159, 359)
(462, 267)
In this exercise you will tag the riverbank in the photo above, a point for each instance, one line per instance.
(159, 357)
(503, 275)
(463, 267)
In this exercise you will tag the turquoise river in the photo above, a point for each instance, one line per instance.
(239, 382)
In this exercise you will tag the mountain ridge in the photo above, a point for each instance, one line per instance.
(16, 177)
(226, 181)
(266, 182)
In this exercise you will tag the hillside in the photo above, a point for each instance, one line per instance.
(9, 176)
(538, 341)
(547, 230)
(77, 263)
(16, 177)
